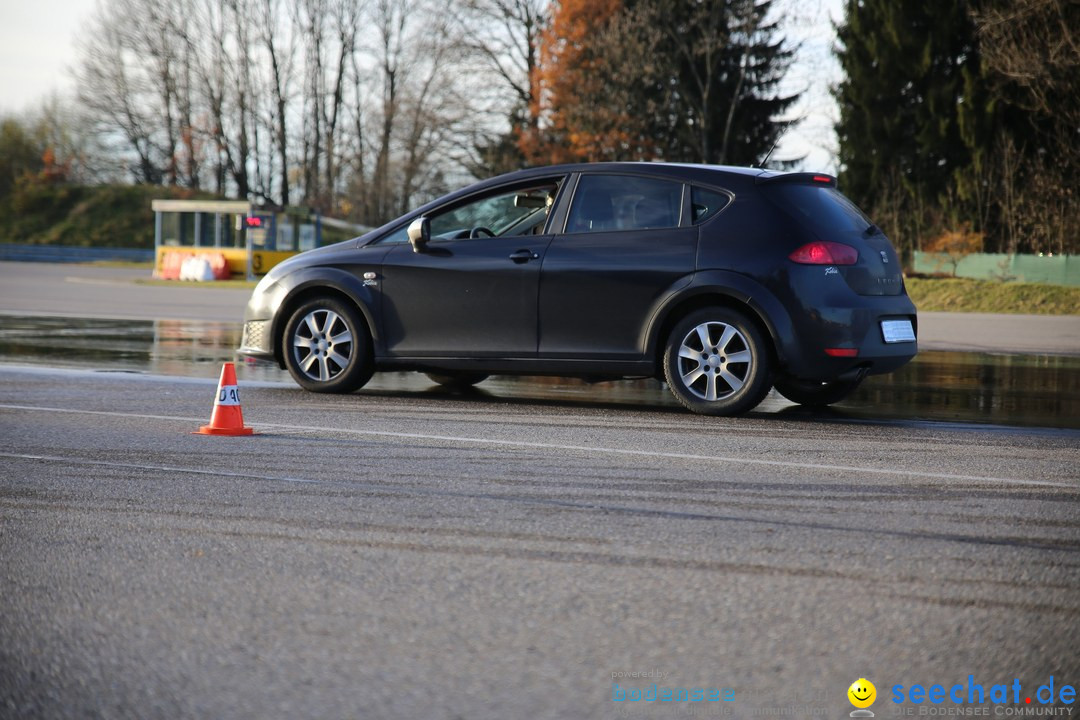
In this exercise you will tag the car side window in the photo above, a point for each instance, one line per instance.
(603, 203)
(522, 211)
(397, 237)
(706, 203)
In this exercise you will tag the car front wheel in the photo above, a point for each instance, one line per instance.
(327, 347)
(717, 362)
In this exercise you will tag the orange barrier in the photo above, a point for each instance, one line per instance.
(167, 266)
(171, 263)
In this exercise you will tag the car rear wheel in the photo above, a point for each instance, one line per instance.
(457, 381)
(815, 394)
(327, 347)
(717, 362)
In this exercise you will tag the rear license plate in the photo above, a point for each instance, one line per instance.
(897, 331)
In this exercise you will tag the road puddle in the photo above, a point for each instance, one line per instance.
(1026, 390)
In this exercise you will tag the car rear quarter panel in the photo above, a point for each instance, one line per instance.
(724, 287)
(750, 237)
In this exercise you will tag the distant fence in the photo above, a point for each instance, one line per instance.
(61, 253)
(1049, 269)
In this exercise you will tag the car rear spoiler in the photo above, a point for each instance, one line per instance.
(797, 179)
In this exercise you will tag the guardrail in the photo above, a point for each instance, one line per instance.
(69, 254)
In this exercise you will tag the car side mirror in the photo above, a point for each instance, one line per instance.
(420, 234)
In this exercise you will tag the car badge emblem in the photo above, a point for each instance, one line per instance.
(884, 257)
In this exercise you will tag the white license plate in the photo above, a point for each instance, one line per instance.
(897, 331)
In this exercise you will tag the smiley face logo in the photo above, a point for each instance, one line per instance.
(862, 693)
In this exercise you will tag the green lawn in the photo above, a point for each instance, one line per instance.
(966, 295)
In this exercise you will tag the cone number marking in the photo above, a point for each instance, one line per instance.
(228, 395)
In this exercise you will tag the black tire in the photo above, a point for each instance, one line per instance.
(457, 381)
(327, 346)
(815, 394)
(717, 362)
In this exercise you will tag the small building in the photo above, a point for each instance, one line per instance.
(236, 236)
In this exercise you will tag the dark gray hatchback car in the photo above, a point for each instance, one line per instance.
(721, 281)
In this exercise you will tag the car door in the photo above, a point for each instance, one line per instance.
(624, 248)
(472, 291)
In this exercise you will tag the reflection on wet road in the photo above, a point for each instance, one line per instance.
(941, 386)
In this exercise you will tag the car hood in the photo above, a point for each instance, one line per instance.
(316, 256)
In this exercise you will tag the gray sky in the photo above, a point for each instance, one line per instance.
(37, 45)
(38, 37)
(809, 24)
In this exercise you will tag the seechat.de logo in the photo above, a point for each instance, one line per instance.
(976, 693)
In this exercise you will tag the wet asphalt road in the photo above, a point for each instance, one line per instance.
(429, 555)
(433, 556)
(117, 292)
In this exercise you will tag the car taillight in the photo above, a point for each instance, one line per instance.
(825, 253)
(842, 352)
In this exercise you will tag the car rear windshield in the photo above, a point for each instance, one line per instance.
(824, 209)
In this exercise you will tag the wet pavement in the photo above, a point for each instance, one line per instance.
(1015, 390)
(508, 553)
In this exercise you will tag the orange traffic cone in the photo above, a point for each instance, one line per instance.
(228, 418)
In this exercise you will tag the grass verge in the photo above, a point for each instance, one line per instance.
(987, 296)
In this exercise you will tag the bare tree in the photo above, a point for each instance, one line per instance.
(118, 93)
(345, 16)
(390, 20)
(408, 117)
(1036, 45)
(505, 34)
(500, 45)
(434, 108)
(1032, 49)
(349, 107)
(311, 21)
(280, 46)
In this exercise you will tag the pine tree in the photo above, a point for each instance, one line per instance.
(660, 79)
(729, 59)
(911, 80)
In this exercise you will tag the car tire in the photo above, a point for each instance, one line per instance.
(717, 362)
(457, 381)
(815, 394)
(327, 346)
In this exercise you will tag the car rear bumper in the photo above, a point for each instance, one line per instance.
(833, 327)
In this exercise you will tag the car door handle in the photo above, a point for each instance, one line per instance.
(523, 256)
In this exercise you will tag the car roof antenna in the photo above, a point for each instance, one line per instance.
(761, 165)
